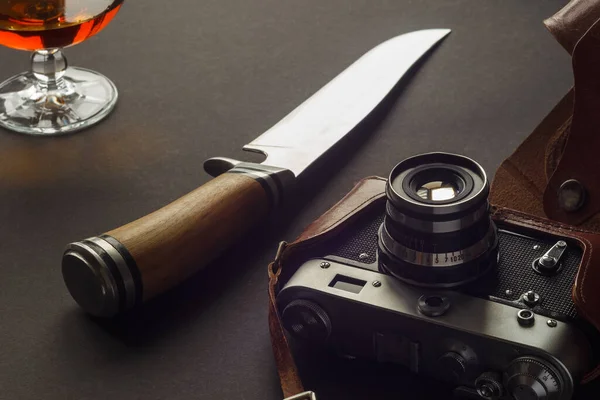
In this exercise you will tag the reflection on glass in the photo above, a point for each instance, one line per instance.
(437, 191)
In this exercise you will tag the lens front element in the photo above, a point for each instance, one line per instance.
(437, 191)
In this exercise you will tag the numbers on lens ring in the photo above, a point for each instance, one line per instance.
(451, 258)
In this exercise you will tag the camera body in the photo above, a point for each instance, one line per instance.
(511, 333)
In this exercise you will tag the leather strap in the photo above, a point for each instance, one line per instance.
(291, 384)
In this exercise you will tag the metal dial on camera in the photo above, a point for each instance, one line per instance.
(489, 385)
(452, 366)
(530, 378)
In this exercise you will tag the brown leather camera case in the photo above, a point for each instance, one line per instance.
(369, 193)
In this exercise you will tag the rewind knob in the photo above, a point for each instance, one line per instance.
(306, 320)
(531, 378)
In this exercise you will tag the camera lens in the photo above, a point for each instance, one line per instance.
(437, 230)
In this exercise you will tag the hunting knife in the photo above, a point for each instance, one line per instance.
(114, 272)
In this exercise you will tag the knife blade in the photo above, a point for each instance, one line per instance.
(111, 273)
(312, 128)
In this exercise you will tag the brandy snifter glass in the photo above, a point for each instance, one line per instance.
(53, 98)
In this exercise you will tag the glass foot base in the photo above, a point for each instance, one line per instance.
(81, 98)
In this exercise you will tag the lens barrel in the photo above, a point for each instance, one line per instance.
(437, 230)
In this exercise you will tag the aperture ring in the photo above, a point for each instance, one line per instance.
(427, 226)
(447, 259)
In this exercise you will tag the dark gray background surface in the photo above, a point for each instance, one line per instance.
(200, 79)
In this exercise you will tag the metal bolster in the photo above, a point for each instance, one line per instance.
(303, 396)
(274, 180)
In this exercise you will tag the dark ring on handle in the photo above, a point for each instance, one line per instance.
(102, 276)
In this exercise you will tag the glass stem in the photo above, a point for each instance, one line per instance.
(49, 67)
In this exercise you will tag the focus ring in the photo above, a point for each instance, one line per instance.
(438, 260)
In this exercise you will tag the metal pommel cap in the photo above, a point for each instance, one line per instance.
(101, 276)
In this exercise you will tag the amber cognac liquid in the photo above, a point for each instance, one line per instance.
(47, 24)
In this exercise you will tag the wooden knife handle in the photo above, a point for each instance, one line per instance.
(131, 264)
(172, 243)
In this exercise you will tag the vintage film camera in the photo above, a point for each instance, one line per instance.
(431, 281)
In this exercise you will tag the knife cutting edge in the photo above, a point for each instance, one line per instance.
(121, 269)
